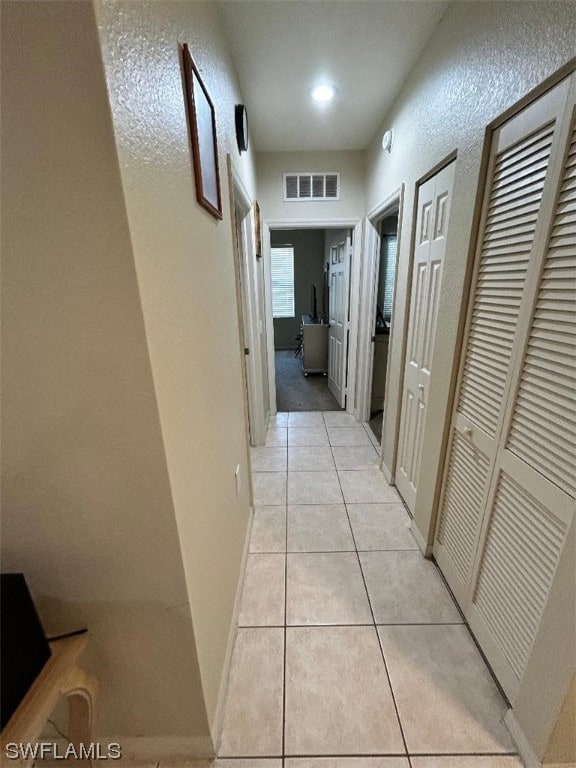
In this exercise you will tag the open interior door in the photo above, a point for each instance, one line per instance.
(339, 247)
(434, 199)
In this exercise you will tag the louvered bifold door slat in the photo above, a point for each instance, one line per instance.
(523, 546)
(511, 216)
(543, 429)
(518, 177)
(463, 503)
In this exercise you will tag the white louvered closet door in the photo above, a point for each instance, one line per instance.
(508, 495)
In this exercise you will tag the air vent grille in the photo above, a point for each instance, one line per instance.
(311, 186)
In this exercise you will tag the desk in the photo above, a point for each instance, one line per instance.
(314, 346)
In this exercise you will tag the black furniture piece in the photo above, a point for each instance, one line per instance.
(300, 339)
(24, 647)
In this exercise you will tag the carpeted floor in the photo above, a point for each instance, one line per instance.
(296, 392)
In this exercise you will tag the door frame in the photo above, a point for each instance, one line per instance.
(351, 363)
(248, 310)
(368, 299)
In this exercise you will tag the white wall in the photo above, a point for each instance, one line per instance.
(186, 276)
(483, 58)
(87, 507)
(272, 165)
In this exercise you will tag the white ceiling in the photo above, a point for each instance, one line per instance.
(281, 48)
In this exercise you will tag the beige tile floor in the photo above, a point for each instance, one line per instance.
(350, 651)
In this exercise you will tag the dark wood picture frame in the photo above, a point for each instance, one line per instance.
(257, 230)
(202, 126)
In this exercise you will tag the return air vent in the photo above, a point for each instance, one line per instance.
(311, 186)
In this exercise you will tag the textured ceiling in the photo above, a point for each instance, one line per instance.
(281, 48)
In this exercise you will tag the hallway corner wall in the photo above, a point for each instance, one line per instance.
(187, 282)
(87, 510)
(481, 60)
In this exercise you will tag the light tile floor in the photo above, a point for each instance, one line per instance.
(350, 651)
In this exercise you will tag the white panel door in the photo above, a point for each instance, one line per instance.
(434, 198)
(508, 495)
(244, 312)
(262, 334)
(250, 295)
(339, 249)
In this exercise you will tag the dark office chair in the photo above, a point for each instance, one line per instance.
(300, 339)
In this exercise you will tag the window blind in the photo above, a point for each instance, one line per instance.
(389, 275)
(282, 269)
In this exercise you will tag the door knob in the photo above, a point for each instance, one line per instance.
(468, 431)
(421, 387)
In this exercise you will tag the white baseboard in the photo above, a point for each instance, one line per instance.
(525, 751)
(223, 691)
(425, 548)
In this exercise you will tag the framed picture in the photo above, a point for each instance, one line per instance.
(257, 230)
(202, 125)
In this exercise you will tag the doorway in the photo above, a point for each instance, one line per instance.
(382, 320)
(310, 278)
(251, 311)
(377, 396)
(299, 296)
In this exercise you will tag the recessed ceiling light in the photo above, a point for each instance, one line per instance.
(323, 92)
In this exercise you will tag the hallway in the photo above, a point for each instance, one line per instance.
(349, 644)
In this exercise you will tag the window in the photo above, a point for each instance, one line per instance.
(389, 274)
(282, 269)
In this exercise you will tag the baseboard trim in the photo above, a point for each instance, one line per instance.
(425, 548)
(386, 472)
(525, 751)
(218, 721)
